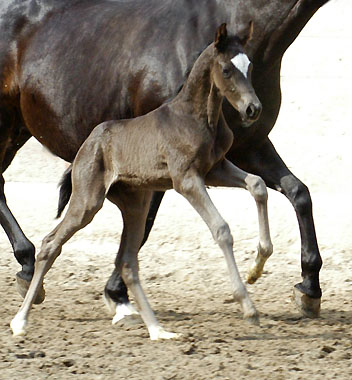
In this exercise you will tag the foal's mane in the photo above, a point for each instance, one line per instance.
(189, 69)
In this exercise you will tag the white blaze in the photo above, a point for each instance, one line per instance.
(242, 63)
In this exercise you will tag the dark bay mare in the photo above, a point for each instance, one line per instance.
(67, 65)
(181, 145)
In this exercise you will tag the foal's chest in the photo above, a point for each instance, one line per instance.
(192, 142)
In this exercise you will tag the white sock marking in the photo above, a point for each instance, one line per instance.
(18, 325)
(157, 332)
(123, 310)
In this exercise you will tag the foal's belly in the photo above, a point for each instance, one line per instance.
(144, 174)
(153, 184)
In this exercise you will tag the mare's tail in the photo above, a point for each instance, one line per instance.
(65, 185)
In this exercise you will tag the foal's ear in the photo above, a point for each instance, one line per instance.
(246, 34)
(221, 37)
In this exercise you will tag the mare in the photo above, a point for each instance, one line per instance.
(68, 65)
(181, 145)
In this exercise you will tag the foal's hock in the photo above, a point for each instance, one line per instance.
(180, 145)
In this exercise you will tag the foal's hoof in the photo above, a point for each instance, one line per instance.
(22, 288)
(253, 274)
(157, 333)
(308, 306)
(253, 319)
(18, 326)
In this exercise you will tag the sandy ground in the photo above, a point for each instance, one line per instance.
(183, 271)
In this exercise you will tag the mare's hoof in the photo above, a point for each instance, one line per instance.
(123, 310)
(119, 310)
(22, 288)
(308, 306)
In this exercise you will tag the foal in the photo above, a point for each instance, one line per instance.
(181, 145)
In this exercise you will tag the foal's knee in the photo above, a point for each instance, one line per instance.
(257, 188)
(222, 235)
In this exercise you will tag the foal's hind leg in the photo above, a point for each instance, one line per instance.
(193, 189)
(228, 175)
(115, 292)
(134, 207)
(86, 200)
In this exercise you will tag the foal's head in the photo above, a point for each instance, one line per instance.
(231, 73)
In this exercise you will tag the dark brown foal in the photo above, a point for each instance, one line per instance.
(181, 145)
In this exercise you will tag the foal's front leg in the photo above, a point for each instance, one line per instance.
(228, 175)
(192, 187)
(267, 163)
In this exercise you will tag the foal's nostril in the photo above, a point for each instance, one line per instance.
(251, 111)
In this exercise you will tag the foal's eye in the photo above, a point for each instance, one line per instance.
(226, 73)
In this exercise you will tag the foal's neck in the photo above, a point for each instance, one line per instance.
(199, 92)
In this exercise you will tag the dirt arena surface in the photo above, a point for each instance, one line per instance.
(183, 272)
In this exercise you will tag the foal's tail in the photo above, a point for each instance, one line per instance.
(65, 185)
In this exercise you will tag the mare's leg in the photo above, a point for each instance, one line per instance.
(193, 189)
(153, 209)
(115, 292)
(266, 162)
(228, 175)
(86, 200)
(134, 206)
(12, 137)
